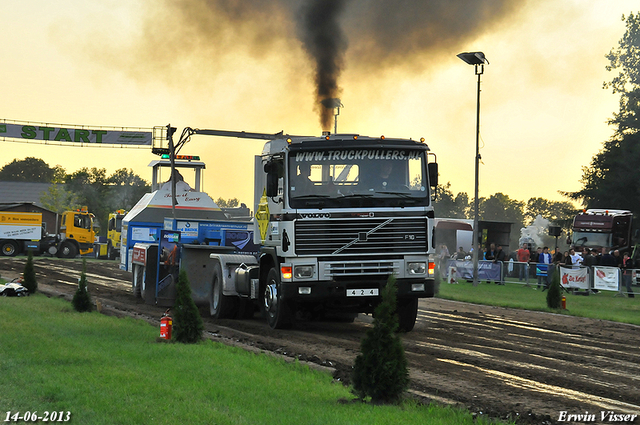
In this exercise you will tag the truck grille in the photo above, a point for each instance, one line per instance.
(359, 269)
(361, 236)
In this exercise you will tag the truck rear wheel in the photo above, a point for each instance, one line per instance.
(407, 314)
(67, 250)
(221, 306)
(9, 248)
(276, 310)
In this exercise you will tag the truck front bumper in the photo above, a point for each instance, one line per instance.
(370, 289)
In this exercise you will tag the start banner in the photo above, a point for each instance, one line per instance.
(75, 134)
(574, 278)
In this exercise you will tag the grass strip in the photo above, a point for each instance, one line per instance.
(106, 370)
(604, 305)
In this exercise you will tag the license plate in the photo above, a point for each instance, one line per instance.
(369, 292)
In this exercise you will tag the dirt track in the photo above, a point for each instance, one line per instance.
(494, 361)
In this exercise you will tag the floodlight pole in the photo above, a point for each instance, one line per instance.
(478, 60)
(479, 70)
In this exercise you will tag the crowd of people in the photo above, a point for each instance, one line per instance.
(542, 263)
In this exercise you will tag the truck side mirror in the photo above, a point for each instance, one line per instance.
(272, 185)
(432, 169)
(274, 171)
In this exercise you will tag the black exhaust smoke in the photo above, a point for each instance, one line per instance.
(383, 35)
(326, 43)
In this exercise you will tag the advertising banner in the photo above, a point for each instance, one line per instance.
(487, 270)
(606, 278)
(574, 278)
(75, 134)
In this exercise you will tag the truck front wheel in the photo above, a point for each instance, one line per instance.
(67, 250)
(276, 310)
(407, 314)
(221, 306)
(9, 248)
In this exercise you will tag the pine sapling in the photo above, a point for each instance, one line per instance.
(554, 295)
(82, 300)
(29, 275)
(381, 370)
(187, 322)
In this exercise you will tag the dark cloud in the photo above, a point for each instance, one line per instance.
(182, 36)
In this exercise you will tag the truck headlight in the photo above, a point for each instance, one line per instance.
(303, 272)
(417, 268)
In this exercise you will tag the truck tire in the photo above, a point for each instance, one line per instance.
(276, 310)
(407, 314)
(138, 276)
(67, 250)
(9, 248)
(221, 306)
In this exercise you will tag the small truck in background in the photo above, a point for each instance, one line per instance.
(21, 232)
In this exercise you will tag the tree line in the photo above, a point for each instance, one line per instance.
(500, 207)
(90, 187)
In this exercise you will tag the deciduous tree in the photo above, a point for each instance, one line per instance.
(615, 166)
(29, 169)
(450, 206)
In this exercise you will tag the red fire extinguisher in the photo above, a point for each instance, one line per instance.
(166, 323)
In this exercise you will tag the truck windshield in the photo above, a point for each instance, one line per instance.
(358, 177)
(591, 239)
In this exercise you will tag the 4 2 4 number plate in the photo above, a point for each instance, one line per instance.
(368, 292)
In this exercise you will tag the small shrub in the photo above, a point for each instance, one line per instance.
(554, 295)
(81, 299)
(29, 275)
(381, 371)
(187, 322)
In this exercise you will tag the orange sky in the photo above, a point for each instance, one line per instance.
(108, 63)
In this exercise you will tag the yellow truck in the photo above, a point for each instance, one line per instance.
(114, 231)
(22, 232)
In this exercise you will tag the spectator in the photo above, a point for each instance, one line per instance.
(607, 259)
(616, 255)
(460, 255)
(523, 255)
(500, 257)
(627, 270)
(576, 258)
(444, 257)
(542, 268)
(589, 259)
(558, 257)
(490, 255)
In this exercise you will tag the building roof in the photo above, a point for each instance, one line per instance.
(22, 192)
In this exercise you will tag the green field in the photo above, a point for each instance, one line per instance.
(105, 370)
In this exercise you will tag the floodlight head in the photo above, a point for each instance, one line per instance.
(473, 58)
(330, 103)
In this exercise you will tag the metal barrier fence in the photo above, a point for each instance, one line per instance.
(572, 278)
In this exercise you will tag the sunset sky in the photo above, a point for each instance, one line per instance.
(235, 65)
